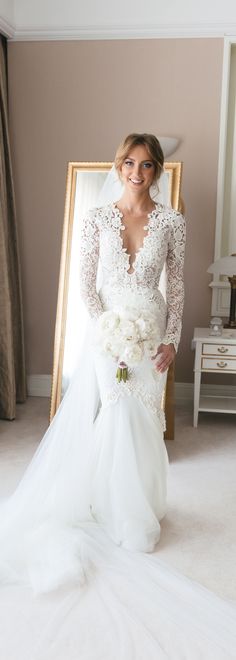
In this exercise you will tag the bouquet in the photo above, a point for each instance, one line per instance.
(128, 335)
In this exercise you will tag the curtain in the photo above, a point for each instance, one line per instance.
(12, 357)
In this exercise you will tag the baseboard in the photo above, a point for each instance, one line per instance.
(184, 391)
(40, 385)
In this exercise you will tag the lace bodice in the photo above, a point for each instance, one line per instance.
(102, 244)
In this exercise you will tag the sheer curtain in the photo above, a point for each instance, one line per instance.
(12, 358)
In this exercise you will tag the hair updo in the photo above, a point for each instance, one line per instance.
(152, 145)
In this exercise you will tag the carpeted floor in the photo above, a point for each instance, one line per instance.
(199, 531)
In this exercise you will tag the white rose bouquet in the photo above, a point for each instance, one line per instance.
(128, 335)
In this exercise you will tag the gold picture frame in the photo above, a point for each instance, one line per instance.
(76, 173)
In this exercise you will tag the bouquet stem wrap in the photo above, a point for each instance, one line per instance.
(122, 372)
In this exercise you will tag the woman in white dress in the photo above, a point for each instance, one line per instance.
(99, 475)
(133, 238)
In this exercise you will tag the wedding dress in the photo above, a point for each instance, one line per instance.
(89, 506)
(130, 459)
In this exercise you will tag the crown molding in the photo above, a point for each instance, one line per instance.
(104, 32)
(7, 28)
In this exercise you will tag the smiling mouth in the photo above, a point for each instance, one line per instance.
(136, 181)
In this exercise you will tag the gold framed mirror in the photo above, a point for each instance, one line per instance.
(83, 183)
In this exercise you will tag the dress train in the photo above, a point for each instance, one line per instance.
(131, 606)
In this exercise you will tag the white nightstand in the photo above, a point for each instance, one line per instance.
(214, 355)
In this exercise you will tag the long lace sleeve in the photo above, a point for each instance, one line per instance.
(175, 284)
(89, 255)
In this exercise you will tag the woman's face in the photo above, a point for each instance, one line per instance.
(138, 170)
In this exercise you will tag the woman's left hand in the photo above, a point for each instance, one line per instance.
(164, 357)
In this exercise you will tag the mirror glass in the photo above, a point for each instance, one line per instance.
(84, 182)
(228, 234)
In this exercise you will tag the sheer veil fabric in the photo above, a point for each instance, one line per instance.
(77, 530)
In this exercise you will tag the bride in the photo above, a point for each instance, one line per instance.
(89, 506)
(133, 238)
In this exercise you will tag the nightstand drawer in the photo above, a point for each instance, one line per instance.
(220, 363)
(219, 349)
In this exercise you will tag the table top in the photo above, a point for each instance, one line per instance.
(228, 336)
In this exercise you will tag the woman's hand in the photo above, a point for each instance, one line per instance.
(164, 356)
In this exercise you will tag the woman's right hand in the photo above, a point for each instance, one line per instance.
(164, 357)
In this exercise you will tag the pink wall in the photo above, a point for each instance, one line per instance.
(75, 101)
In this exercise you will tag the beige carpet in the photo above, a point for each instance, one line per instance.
(199, 531)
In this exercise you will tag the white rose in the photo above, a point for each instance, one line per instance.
(132, 354)
(128, 330)
(152, 329)
(117, 336)
(109, 347)
(150, 347)
(147, 325)
(128, 313)
(142, 327)
(108, 321)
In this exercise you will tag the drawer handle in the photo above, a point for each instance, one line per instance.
(222, 349)
(221, 364)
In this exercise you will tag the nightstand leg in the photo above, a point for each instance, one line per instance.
(197, 385)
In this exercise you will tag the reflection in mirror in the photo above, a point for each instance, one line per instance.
(84, 182)
(228, 233)
(225, 234)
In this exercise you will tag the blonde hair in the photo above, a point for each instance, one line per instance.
(152, 145)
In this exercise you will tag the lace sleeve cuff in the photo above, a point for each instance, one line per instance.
(171, 339)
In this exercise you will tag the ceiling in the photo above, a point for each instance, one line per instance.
(116, 19)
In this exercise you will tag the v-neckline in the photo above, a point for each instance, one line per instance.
(122, 227)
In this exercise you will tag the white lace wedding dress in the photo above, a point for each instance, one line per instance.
(130, 460)
(89, 506)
